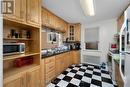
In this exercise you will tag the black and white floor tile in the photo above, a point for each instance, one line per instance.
(83, 75)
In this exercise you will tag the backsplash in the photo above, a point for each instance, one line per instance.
(46, 38)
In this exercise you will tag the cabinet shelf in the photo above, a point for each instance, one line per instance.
(10, 57)
(14, 71)
(25, 39)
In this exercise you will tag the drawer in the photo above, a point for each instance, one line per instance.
(49, 66)
(50, 76)
(50, 59)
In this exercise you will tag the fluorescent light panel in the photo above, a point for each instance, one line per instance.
(88, 7)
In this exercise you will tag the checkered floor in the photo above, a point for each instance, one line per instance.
(83, 75)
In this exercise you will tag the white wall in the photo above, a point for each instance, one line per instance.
(107, 29)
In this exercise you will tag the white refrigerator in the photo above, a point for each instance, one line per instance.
(125, 49)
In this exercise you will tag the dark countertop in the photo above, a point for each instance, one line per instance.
(46, 56)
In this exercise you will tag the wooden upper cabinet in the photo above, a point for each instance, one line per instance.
(44, 17)
(19, 13)
(77, 32)
(53, 21)
(120, 22)
(33, 11)
(26, 12)
(33, 78)
(74, 31)
(16, 81)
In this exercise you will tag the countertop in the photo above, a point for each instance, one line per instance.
(46, 56)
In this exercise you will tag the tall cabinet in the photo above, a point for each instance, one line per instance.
(26, 18)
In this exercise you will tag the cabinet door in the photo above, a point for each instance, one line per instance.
(19, 13)
(76, 57)
(16, 81)
(33, 78)
(78, 31)
(58, 66)
(33, 12)
(44, 17)
(43, 72)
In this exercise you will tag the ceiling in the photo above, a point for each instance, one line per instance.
(70, 10)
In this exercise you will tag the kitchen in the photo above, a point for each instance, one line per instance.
(66, 43)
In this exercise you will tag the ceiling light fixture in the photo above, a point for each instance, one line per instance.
(88, 7)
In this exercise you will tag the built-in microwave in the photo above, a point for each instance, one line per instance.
(13, 48)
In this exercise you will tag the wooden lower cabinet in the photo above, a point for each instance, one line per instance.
(76, 57)
(60, 63)
(16, 81)
(118, 77)
(49, 69)
(31, 78)
(43, 73)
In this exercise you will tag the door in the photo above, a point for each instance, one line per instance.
(33, 78)
(18, 80)
(19, 13)
(33, 12)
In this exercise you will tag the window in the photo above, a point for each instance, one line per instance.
(92, 38)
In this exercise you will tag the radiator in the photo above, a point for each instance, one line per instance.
(91, 59)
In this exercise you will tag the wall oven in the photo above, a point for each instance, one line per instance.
(13, 48)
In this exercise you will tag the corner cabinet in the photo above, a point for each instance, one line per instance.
(74, 32)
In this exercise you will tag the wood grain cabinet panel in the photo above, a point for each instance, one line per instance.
(30, 78)
(19, 13)
(43, 73)
(33, 11)
(52, 21)
(18, 80)
(74, 32)
(76, 57)
(33, 78)
(49, 69)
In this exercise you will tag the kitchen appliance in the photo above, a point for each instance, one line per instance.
(13, 48)
(125, 53)
(74, 46)
(77, 46)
